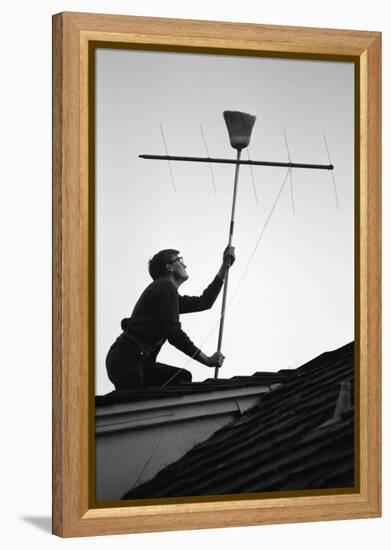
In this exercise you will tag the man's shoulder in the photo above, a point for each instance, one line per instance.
(162, 285)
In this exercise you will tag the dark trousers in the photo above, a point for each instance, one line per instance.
(127, 368)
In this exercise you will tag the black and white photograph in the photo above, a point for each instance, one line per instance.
(192, 221)
(224, 275)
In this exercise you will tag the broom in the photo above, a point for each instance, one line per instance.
(239, 126)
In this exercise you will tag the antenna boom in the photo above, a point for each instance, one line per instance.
(239, 161)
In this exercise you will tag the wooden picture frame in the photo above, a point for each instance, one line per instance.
(74, 36)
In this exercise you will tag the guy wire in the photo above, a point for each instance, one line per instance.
(148, 462)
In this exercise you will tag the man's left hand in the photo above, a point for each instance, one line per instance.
(229, 256)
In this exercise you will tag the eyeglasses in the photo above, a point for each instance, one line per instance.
(179, 259)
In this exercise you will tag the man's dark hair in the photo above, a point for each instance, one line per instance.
(157, 265)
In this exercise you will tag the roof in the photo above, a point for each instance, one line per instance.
(140, 432)
(299, 436)
(267, 379)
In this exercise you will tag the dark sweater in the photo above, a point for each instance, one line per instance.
(155, 317)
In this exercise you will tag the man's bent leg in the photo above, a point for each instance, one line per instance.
(124, 368)
(161, 374)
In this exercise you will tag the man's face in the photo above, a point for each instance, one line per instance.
(178, 267)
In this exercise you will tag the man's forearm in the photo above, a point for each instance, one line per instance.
(222, 272)
(188, 304)
(201, 357)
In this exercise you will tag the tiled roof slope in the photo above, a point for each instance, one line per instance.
(300, 436)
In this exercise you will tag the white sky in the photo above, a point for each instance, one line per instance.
(297, 299)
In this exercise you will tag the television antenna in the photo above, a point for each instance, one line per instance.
(239, 126)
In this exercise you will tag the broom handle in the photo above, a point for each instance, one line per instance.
(231, 232)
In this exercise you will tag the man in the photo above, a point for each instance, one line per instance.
(131, 360)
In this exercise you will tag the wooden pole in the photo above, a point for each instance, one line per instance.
(231, 232)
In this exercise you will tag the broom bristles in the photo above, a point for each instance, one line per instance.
(239, 126)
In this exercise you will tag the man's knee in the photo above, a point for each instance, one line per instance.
(186, 376)
(182, 375)
(169, 375)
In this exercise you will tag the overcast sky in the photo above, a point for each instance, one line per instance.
(297, 297)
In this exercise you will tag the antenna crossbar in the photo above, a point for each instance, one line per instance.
(235, 161)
